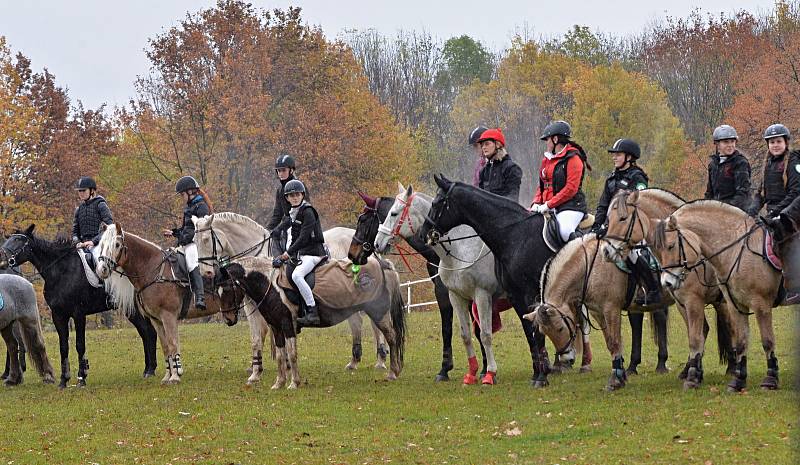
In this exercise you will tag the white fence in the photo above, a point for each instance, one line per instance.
(408, 285)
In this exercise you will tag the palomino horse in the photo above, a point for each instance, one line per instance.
(577, 277)
(466, 267)
(732, 243)
(18, 308)
(125, 256)
(362, 246)
(69, 295)
(226, 235)
(255, 278)
(514, 236)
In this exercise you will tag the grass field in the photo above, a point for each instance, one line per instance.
(358, 418)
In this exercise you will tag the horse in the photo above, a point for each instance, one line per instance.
(17, 331)
(514, 236)
(18, 308)
(69, 294)
(362, 246)
(229, 234)
(575, 278)
(732, 243)
(255, 278)
(137, 273)
(466, 267)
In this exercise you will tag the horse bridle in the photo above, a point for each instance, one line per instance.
(444, 204)
(573, 333)
(405, 217)
(683, 261)
(625, 241)
(110, 262)
(11, 256)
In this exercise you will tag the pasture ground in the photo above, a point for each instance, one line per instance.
(358, 418)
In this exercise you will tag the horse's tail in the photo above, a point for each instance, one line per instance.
(398, 313)
(724, 340)
(34, 343)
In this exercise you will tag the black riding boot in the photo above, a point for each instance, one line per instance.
(196, 281)
(311, 318)
(647, 278)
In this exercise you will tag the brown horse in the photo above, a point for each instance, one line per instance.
(159, 294)
(732, 243)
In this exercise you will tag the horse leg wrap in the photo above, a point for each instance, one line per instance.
(771, 380)
(618, 371)
(357, 352)
(470, 377)
(447, 359)
(382, 352)
(257, 363)
(83, 368)
(177, 365)
(694, 372)
(739, 380)
(489, 378)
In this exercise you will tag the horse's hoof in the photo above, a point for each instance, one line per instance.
(489, 379)
(736, 385)
(292, 386)
(148, 373)
(632, 370)
(538, 383)
(48, 379)
(770, 383)
(391, 376)
(441, 377)
(277, 385)
(662, 369)
(617, 380)
(585, 369)
(62, 384)
(351, 366)
(4, 376)
(470, 379)
(11, 382)
(380, 365)
(81, 383)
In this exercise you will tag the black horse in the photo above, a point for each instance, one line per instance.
(361, 248)
(513, 235)
(69, 295)
(17, 332)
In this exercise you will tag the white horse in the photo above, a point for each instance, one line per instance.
(466, 268)
(229, 234)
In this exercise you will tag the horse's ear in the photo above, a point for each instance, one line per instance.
(400, 188)
(369, 201)
(30, 229)
(119, 228)
(441, 181)
(634, 197)
(409, 191)
(103, 227)
(672, 223)
(210, 219)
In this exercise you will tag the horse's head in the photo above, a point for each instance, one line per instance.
(627, 226)
(113, 252)
(675, 253)
(366, 229)
(787, 238)
(558, 324)
(231, 292)
(16, 249)
(398, 220)
(441, 217)
(211, 243)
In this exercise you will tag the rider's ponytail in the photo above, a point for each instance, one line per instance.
(207, 199)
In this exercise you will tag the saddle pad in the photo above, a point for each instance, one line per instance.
(94, 281)
(769, 252)
(2, 302)
(550, 233)
(338, 287)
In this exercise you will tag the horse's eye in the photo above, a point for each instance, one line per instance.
(671, 246)
(393, 214)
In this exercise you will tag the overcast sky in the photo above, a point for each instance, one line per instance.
(95, 48)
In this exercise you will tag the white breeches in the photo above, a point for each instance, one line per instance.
(307, 263)
(190, 250)
(568, 221)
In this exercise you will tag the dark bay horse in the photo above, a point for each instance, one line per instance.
(514, 236)
(69, 295)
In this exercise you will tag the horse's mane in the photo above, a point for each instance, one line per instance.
(665, 196)
(232, 218)
(565, 258)
(502, 202)
(59, 244)
(700, 203)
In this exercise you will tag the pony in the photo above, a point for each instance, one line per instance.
(227, 234)
(256, 279)
(362, 246)
(17, 336)
(514, 236)
(69, 295)
(19, 308)
(137, 273)
(466, 267)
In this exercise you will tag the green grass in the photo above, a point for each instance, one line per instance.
(358, 418)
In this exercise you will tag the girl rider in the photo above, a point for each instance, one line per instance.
(728, 170)
(500, 175)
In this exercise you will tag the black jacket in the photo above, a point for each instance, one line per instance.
(729, 182)
(195, 207)
(633, 178)
(88, 216)
(307, 238)
(502, 177)
(282, 206)
(780, 184)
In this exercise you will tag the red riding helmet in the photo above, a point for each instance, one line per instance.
(493, 134)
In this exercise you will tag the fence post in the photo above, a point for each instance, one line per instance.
(408, 298)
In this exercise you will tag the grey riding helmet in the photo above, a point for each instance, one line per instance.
(294, 186)
(725, 132)
(777, 130)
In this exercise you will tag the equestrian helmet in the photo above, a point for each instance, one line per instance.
(556, 128)
(777, 130)
(185, 183)
(493, 134)
(626, 146)
(475, 134)
(85, 182)
(724, 132)
(285, 161)
(294, 186)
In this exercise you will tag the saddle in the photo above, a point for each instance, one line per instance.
(180, 276)
(292, 293)
(551, 234)
(769, 251)
(87, 260)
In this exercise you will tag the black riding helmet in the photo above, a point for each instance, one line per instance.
(185, 183)
(556, 128)
(293, 186)
(777, 130)
(85, 182)
(475, 134)
(626, 146)
(285, 161)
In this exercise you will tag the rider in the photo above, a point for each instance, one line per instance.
(781, 182)
(92, 212)
(285, 167)
(628, 175)
(728, 170)
(305, 244)
(500, 175)
(480, 162)
(197, 204)
(561, 179)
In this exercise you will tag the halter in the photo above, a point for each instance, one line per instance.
(405, 216)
